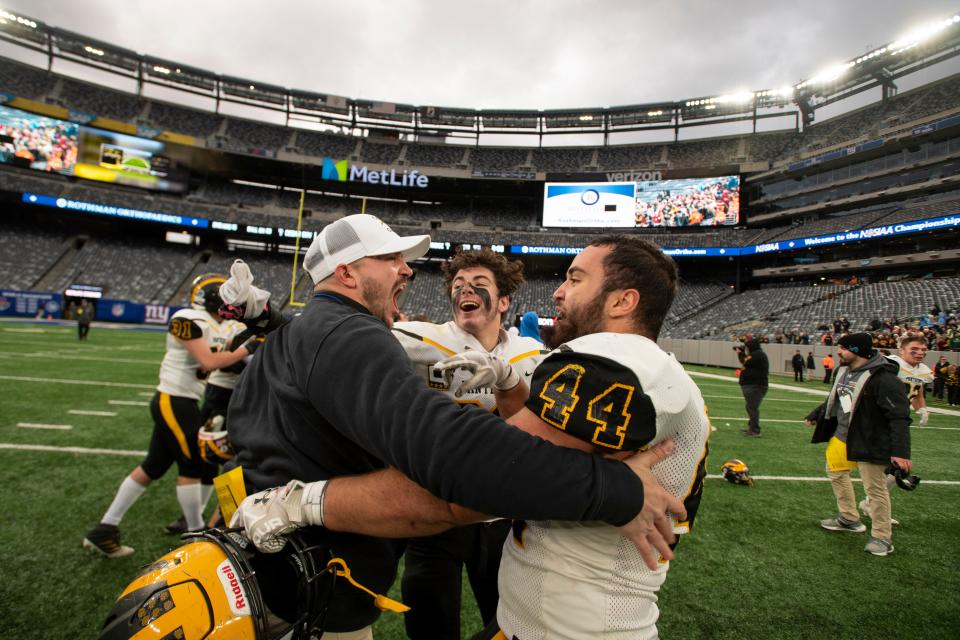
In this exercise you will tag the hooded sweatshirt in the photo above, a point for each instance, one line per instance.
(872, 403)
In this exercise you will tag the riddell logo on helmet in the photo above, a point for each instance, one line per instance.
(234, 590)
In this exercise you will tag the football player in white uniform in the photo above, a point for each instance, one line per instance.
(915, 374)
(480, 285)
(607, 387)
(197, 340)
(213, 444)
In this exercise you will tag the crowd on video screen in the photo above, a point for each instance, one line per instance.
(689, 203)
(40, 143)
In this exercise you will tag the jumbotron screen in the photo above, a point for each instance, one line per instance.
(48, 144)
(688, 202)
(37, 142)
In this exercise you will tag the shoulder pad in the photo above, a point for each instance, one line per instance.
(594, 399)
(184, 328)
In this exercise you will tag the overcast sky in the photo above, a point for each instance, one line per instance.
(529, 54)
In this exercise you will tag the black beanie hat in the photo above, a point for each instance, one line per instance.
(753, 344)
(858, 343)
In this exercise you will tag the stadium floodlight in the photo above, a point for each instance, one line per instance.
(93, 51)
(921, 34)
(162, 70)
(654, 114)
(6, 16)
(829, 74)
(586, 118)
(738, 97)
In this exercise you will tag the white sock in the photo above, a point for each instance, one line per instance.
(188, 495)
(127, 494)
(205, 491)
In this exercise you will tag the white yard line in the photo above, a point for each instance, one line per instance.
(84, 412)
(946, 483)
(145, 394)
(817, 392)
(52, 355)
(92, 383)
(129, 403)
(765, 420)
(811, 400)
(37, 425)
(104, 452)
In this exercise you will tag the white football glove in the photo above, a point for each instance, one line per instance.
(486, 370)
(924, 414)
(269, 515)
(238, 291)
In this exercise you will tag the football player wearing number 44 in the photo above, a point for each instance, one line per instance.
(606, 388)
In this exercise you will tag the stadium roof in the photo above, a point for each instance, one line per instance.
(880, 67)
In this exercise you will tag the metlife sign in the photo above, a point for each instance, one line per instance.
(345, 172)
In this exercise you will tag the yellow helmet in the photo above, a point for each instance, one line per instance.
(209, 588)
(737, 472)
(205, 292)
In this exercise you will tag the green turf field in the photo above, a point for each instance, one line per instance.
(756, 566)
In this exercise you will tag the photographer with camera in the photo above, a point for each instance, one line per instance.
(865, 421)
(754, 382)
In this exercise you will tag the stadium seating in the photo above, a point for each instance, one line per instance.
(245, 136)
(101, 102)
(25, 80)
(630, 157)
(562, 159)
(435, 155)
(313, 143)
(375, 153)
(26, 254)
(182, 120)
(745, 312)
(499, 158)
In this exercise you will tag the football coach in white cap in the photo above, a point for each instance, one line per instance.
(332, 393)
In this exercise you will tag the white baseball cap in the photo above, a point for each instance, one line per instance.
(354, 237)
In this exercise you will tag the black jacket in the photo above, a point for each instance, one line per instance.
(879, 425)
(797, 362)
(756, 367)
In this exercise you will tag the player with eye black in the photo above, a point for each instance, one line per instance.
(480, 285)
(197, 342)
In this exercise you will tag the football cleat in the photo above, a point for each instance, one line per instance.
(105, 540)
(177, 527)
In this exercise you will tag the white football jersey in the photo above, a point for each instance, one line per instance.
(913, 376)
(180, 373)
(427, 343)
(585, 580)
(219, 377)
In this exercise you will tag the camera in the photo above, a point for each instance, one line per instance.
(904, 480)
